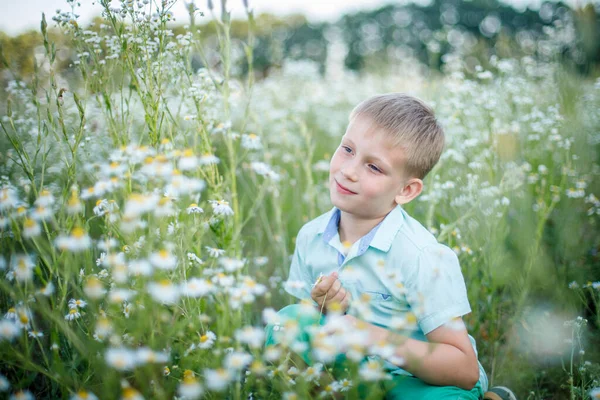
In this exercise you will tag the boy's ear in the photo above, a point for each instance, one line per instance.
(411, 189)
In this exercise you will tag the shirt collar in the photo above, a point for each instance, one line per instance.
(380, 237)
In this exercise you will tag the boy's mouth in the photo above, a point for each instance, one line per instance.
(343, 189)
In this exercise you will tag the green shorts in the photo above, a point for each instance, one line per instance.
(397, 387)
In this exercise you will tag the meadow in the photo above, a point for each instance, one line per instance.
(148, 212)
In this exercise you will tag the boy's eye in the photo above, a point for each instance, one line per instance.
(347, 149)
(374, 168)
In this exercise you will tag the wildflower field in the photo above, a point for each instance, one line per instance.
(148, 212)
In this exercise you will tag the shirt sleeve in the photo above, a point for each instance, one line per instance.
(436, 290)
(299, 280)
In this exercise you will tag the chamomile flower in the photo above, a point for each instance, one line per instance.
(253, 337)
(84, 395)
(73, 314)
(208, 159)
(8, 330)
(4, 383)
(372, 371)
(214, 252)
(79, 303)
(35, 334)
(31, 228)
(221, 207)
(121, 358)
(196, 287)
(251, 141)
(164, 291)
(146, 355)
(188, 161)
(130, 393)
(194, 257)
(103, 329)
(94, 289)
(24, 316)
(237, 360)
(194, 209)
(207, 340)
(190, 388)
(22, 265)
(8, 198)
(119, 295)
(74, 205)
(78, 240)
(163, 259)
(139, 268)
(47, 290)
(217, 379)
(231, 264)
(22, 395)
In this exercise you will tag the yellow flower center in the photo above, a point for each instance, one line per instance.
(78, 232)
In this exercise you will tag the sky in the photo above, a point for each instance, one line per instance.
(17, 16)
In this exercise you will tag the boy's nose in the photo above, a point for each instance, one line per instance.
(349, 172)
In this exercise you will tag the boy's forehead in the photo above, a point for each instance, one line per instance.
(365, 127)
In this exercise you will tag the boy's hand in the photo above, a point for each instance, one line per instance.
(330, 290)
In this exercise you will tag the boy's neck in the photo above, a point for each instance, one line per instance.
(352, 228)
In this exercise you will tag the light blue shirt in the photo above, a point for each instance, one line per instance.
(400, 266)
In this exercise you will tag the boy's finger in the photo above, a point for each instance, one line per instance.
(326, 283)
(335, 289)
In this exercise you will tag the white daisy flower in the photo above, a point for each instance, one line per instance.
(188, 161)
(163, 259)
(73, 314)
(121, 358)
(231, 264)
(207, 340)
(217, 379)
(103, 329)
(146, 355)
(4, 383)
(194, 209)
(196, 287)
(8, 330)
(22, 395)
(8, 198)
(79, 303)
(253, 337)
(119, 295)
(47, 290)
(194, 257)
(46, 199)
(214, 252)
(139, 268)
(251, 141)
(130, 393)
(221, 207)
(164, 291)
(35, 334)
(31, 228)
(372, 371)
(190, 388)
(84, 395)
(237, 360)
(207, 159)
(22, 265)
(78, 240)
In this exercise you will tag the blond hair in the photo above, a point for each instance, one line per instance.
(411, 125)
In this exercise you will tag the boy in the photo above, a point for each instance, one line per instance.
(367, 245)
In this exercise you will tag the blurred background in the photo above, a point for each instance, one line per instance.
(357, 34)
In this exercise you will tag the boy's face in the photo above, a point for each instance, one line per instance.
(366, 171)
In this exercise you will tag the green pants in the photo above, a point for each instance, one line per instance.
(398, 387)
